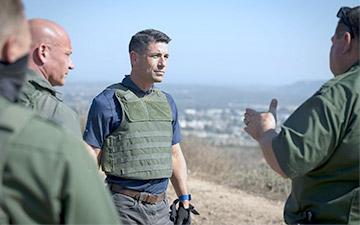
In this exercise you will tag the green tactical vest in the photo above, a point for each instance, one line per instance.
(140, 148)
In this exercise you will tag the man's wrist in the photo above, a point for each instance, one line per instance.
(186, 197)
(185, 200)
(267, 137)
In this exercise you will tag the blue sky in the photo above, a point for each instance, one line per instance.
(232, 42)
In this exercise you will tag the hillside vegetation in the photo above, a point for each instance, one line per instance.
(238, 167)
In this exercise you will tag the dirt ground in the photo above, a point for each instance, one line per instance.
(220, 205)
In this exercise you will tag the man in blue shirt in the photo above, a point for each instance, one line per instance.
(134, 129)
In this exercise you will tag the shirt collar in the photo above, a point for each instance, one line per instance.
(356, 63)
(12, 77)
(127, 82)
(354, 66)
(39, 80)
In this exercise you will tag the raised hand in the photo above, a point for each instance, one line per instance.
(257, 123)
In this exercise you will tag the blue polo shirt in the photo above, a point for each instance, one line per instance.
(105, 116)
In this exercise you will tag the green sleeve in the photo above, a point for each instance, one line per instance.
(49, 178)
(65, 117)
(308, 137)
(86, 200)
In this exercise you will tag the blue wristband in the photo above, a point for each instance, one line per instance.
(185, 197)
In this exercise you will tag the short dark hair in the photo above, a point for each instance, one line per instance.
(140, 41)
(11, 13)
(350, 21)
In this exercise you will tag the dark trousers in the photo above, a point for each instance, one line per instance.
(132, 211)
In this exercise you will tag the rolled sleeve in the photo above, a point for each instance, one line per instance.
(308, 137)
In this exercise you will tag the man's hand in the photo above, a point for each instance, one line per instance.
(261, 127)
(258, 123)
(182, 215)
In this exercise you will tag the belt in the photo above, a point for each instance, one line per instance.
(140, 196)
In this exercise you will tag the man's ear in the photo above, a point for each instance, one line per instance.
(8, 53)
(41, 53)
(346, 38)
(133, 58)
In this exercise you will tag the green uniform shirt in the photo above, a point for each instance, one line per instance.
(39, 95)
(318, 148)
(47, 177)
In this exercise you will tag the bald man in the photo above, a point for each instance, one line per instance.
(49, 64)
(45, 172)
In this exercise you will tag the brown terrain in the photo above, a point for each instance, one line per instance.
(220, 205)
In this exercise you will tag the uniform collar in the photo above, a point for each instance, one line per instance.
(356, 63)
(127, 82)
(355, 66)
(12, 78)
(40, 81)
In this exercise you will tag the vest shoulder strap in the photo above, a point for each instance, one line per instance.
(124, 92)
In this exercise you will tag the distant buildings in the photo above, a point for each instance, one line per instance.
(223, 126)
(214, 116)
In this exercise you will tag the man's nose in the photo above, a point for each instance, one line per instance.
(71, 65)
(162, 61)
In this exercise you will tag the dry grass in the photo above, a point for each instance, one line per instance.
(240, 167)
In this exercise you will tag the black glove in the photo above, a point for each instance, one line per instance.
(181, 216)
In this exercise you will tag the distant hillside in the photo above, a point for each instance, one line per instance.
(302, 87)
(200, 96)
(297, 92)
(205, 96)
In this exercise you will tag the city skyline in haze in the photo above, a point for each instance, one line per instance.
(213, 42)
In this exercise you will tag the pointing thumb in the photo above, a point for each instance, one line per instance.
(273, 106)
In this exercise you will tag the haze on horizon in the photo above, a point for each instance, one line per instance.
(213, 42)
